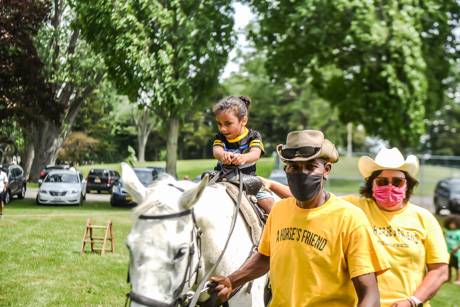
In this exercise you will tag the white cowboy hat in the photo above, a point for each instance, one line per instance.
(388, 159)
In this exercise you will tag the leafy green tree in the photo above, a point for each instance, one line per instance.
(170, 51)
(49, 74)
(384, 64)
(280, 107)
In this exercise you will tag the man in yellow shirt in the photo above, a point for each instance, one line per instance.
(318, 248)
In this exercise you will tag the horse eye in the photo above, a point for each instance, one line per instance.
(180, 253)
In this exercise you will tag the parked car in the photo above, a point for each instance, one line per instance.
(101, 180)
(146, 175)
(62, 187)
(17, 184)
(447, 195)
(49, 168)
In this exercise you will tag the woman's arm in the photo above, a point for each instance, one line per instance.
(433, 280)
(279, 189)
(437, 275)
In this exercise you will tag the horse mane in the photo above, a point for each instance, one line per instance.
(149, 206)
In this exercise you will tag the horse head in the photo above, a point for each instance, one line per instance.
(162, 242)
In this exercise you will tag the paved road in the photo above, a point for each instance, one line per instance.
(103, 197)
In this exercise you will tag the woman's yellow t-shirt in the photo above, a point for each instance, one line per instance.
(412, 237)
(314, 253)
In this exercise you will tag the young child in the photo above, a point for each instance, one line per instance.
(452, 234)
(235, 144)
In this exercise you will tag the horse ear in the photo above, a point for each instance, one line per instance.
(190, 197)
(132, 184)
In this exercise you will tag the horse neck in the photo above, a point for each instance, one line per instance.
(214, 213)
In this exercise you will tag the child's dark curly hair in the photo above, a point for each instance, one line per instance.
(238, 105)
(452, 219)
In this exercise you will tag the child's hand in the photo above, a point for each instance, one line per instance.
(239, 159)
(227, 157)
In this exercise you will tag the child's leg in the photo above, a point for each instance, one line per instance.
(265, 200)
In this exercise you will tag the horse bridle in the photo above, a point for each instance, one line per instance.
(179, 298)
(190, 298)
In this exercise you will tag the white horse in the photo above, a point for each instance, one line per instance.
(166, 258)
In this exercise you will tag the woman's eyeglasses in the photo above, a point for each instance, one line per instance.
(395, 181)
(304, 152)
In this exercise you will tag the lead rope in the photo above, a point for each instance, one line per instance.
(232, 227)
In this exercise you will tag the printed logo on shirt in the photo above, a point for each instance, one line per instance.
(301, 235)
(387, 232)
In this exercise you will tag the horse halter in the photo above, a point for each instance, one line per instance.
(179, 298)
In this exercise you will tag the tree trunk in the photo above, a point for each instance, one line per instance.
(29, 156)
(349, 139)
(171, 146)
(141, 142)
(144, 125)
(46, 143)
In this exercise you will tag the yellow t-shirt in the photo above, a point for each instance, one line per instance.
(412, 238)
(314, 253)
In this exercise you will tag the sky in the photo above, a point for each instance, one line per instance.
(243, 16)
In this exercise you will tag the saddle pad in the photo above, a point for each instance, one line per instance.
(252, 219)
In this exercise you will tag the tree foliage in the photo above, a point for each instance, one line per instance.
(24, 90)
(383, 64)
(172, 51)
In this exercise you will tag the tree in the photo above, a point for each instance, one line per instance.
(48, 75)
(280, 107)
(77, 147)
(171, 51)
(72, 71)
(141, 118)
(383, 64)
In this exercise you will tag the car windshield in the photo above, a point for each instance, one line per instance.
(455, 188)
(145, 177)
(64, 178)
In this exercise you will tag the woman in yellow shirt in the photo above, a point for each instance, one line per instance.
(410, 235)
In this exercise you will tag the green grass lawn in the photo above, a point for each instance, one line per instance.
(40, 257)
(41, 264)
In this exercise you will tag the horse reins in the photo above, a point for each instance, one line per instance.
(182, 300)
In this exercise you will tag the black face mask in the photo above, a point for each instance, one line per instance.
(304, 186)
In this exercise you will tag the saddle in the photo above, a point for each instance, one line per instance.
(251, 184)
(253, 215)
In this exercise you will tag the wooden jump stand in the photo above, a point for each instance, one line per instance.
(93, 236)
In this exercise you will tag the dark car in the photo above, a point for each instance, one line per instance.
(101, 180)
(49, 168)
(447, 195)
(146, 175)
(17, 184)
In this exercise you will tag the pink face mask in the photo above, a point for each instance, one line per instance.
(389, 196)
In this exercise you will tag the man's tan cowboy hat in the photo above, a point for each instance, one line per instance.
(307, 145)
(388, 159)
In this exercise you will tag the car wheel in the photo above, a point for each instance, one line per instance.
(98, 191)
(80, 202)
(37, 201)
(7, 198)
(22, 194)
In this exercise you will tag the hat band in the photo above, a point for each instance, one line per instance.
(299, 152)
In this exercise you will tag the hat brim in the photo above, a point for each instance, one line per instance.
(367, 166)
(296, 159)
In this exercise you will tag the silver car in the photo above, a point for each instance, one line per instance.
(62, 187)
